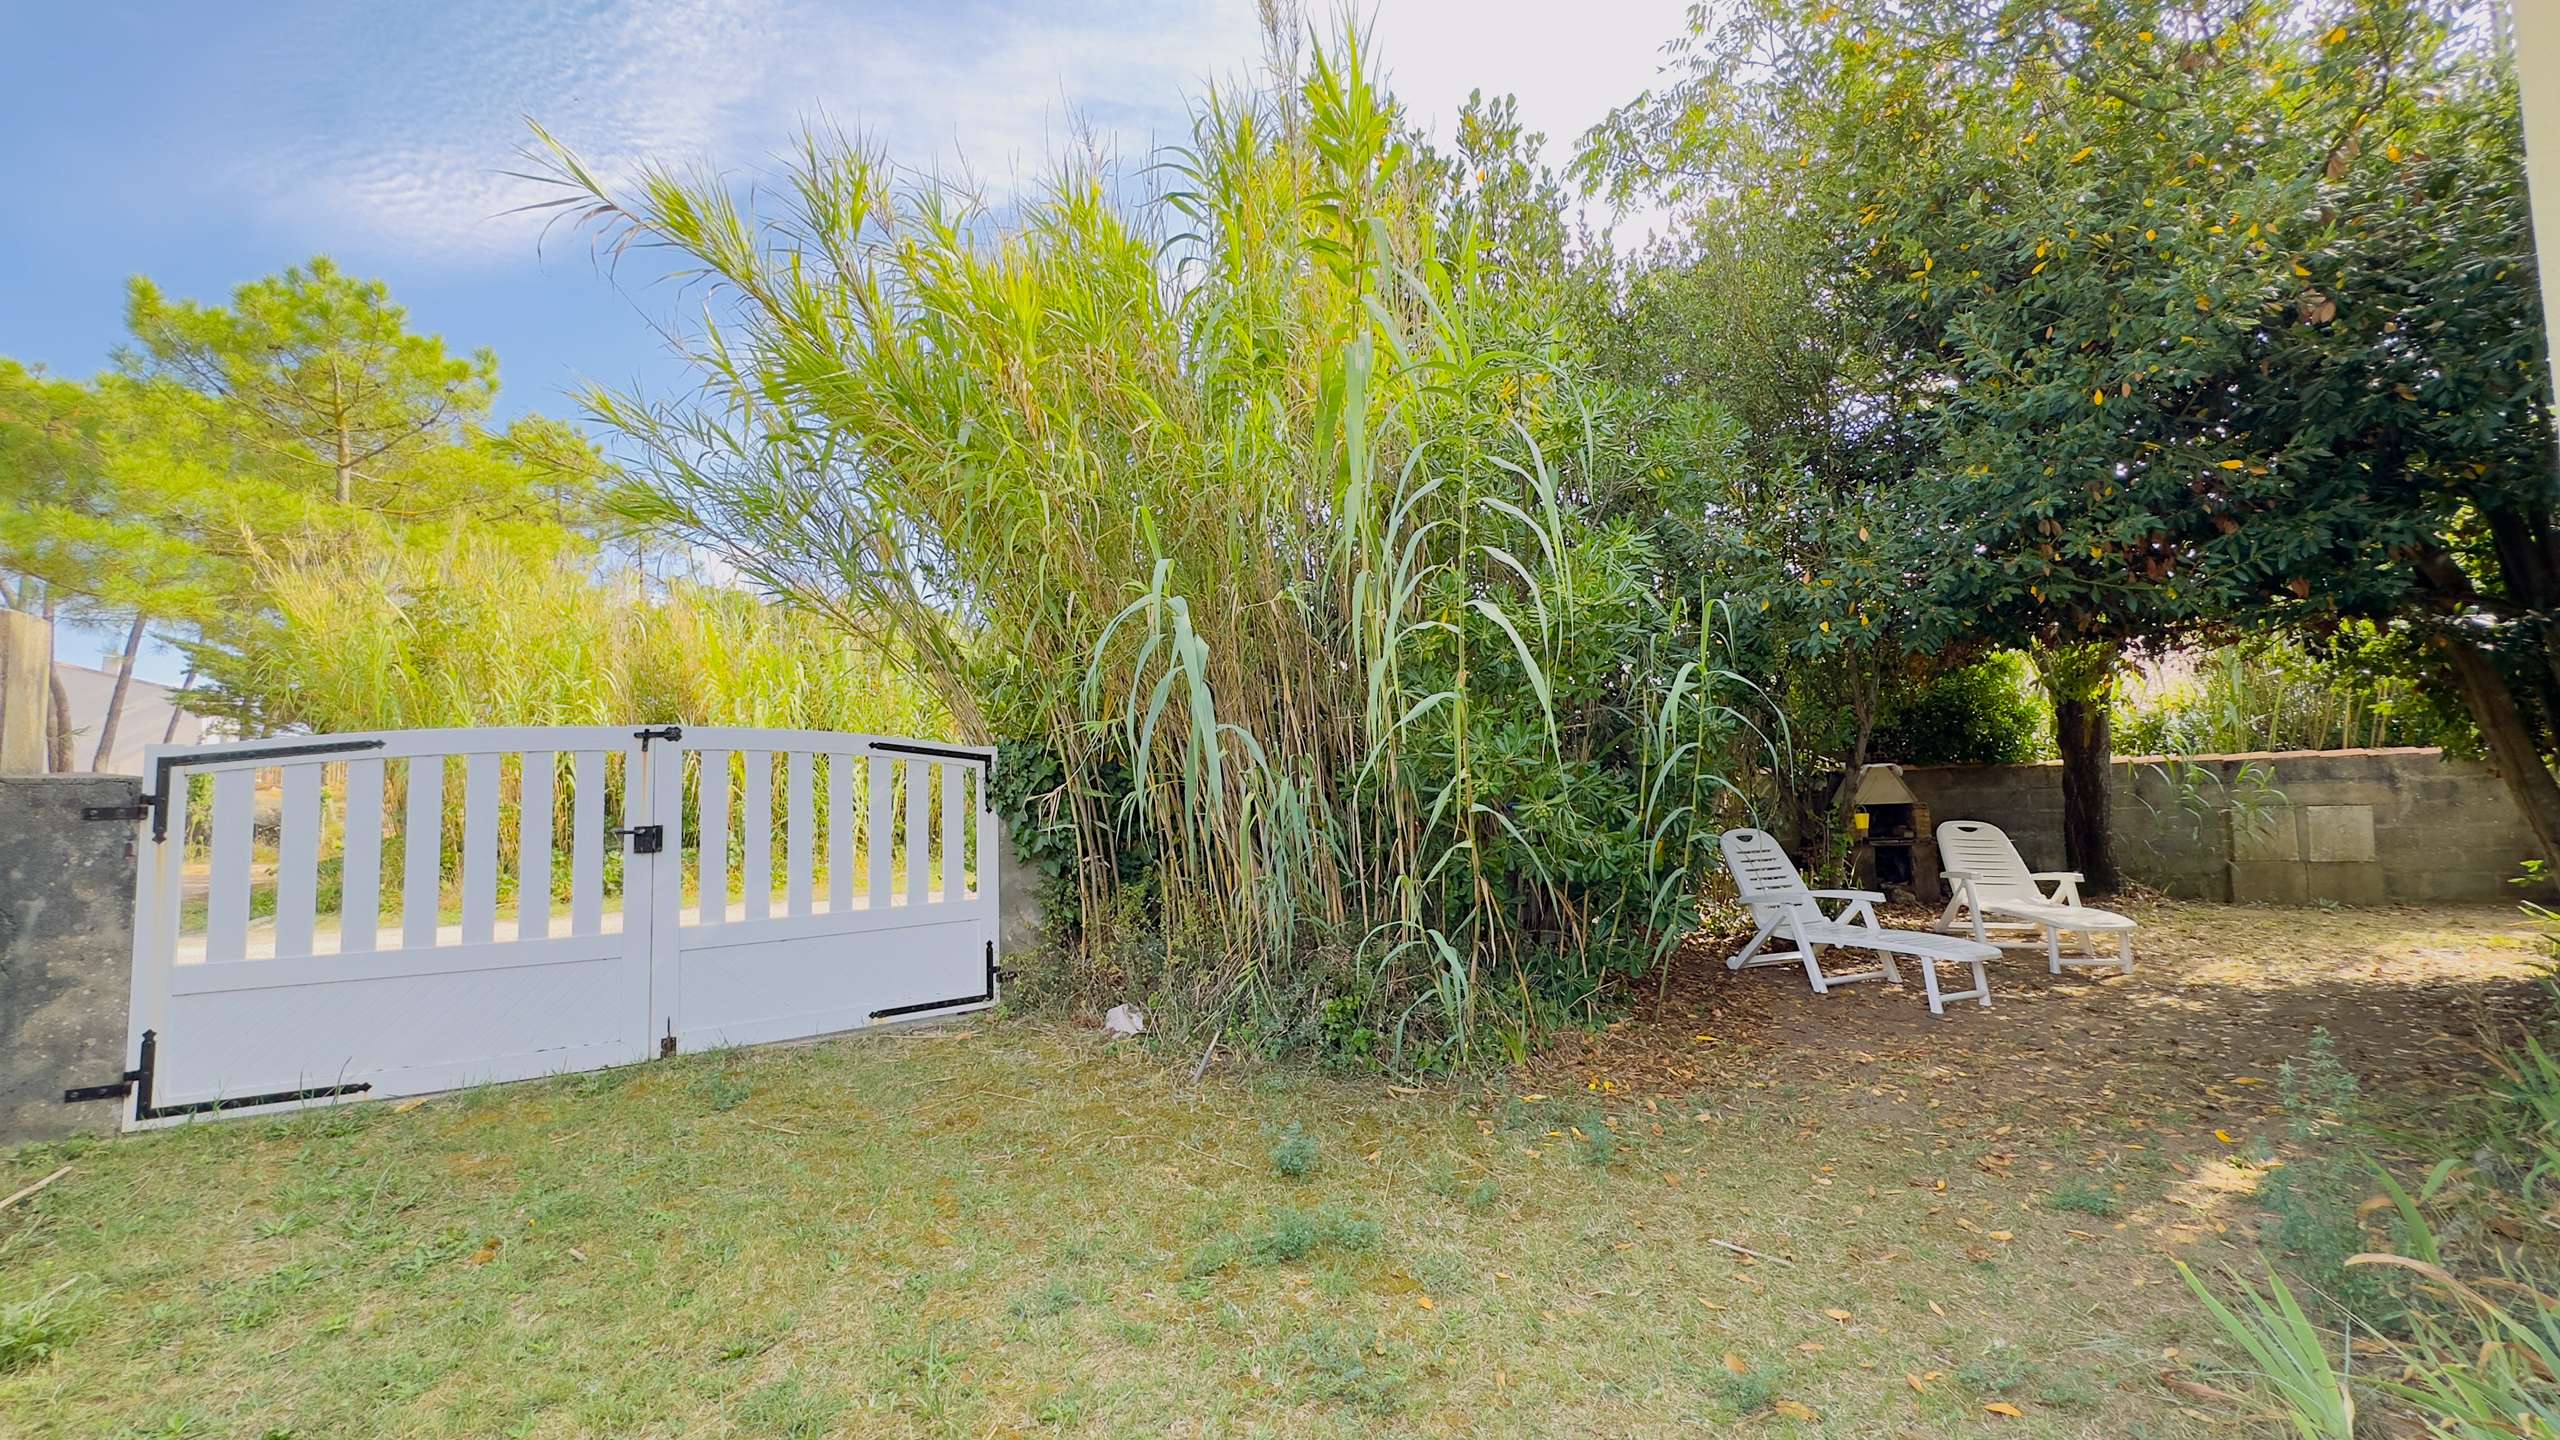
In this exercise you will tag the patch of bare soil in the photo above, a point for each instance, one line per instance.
(2220, 997)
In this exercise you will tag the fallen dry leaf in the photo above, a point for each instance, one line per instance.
(1794, 1411)
(2003, 1407)
(1840, 1315)
(1734, 1363)
(2178, 1384)
(1425, 1302)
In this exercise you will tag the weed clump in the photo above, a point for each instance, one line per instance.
(2082, 1197)
(1289, 1236)
(1747, 1392)
(1293, 1155)
(32, 1330)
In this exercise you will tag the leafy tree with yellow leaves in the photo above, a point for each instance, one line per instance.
(2205, 314)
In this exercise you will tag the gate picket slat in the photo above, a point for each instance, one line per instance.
(714, 893)
(797, 842)
(533, 846)
(297, 859)
(986, 872)
(875, 836)
(586, 844)
(360, 865)
(840, 772)
(919, 832)
(226, 920)
(755, 834)
(160, 883)
(955, 853)
(480, 848)
(422, 841)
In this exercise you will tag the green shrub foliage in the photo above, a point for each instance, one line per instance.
(1985, 713)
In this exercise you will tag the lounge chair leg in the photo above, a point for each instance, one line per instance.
(2053, 950)
(1813, 972)
(2124, 950)
(1744, 958)
(1981, 986)
(1929, 982)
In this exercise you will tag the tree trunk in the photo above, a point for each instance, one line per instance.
(58, 723)
(2509, 741)
(346, 457)
(2083, 731)
(2514, 746)
(59, 760)
(115, 698)
(2081, 680)
(1841, 839)
(169, 734)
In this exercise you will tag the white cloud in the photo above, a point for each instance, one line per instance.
(401, 122)
(408, 144)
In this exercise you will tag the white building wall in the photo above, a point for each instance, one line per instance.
(147, 707)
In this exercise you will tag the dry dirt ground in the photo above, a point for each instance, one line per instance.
(2220, 995)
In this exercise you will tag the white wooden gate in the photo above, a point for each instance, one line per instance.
(392, 914)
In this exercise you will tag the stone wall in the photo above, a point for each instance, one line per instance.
(2356, 827)
(66, 950)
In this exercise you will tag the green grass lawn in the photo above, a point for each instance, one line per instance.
(1020, 1229)
(1014, 1231)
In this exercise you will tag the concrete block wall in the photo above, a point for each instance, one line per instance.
(2355, 827)
(66, 950)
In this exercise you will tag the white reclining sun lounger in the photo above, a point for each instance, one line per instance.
(1779, 901)
(1988, 878)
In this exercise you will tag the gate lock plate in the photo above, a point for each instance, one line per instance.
(646, 839)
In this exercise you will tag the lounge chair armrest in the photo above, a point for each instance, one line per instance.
(2072, 875)
(1876, 895)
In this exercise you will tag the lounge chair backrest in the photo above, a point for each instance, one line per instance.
(1763, 875)
(1982, 850)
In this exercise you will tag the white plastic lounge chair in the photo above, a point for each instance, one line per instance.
(1986, 877)
(1782, 905)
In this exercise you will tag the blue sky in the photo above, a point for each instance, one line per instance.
(207, 144)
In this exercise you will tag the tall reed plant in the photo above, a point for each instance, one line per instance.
(1262, 496)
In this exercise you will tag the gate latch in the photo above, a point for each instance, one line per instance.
(646, 839)
(658, 732)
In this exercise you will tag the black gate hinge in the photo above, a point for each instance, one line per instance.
(137, 1083)
(143, 808)
(114, 1090)
(153, 805)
